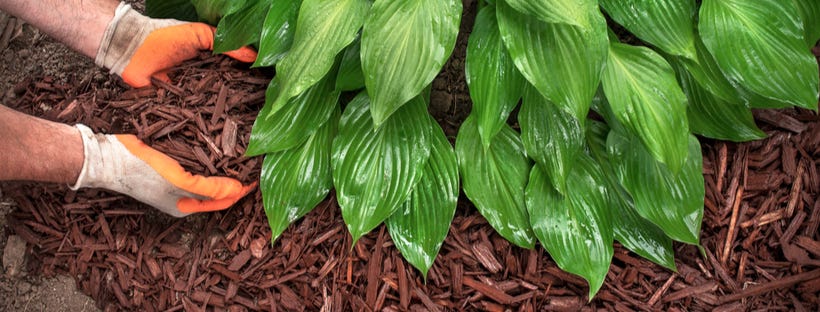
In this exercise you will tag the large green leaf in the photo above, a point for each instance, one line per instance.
(575, 229)
(277, 32)
(294, 181)
(810, 11)
(495, 178)
(645, 97)
(551, 136)
(178, 9)
(572, 12)
(374, 169)
(419, 227)
(241, 27)
(713, 117)
(760, 45)
(211, 11)
(666, 24)
(495, 84)
(351, 75)
(708, 74)
(563, 62)
(324, 29)
(275, 131)
(404, 46)
(633, 231)
(672, 201)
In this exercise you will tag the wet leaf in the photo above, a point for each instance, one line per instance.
(668, 25)
(572, 12)
(760, 45)
(211, 11)
(419, 227)
(277, 32)
(351, 76)
(672, 201)
(494, 180)
(375, 169)
(241, 27)
(292, 125)
(323, 30)
(713, 117)
(404, 46)
(645, 97)
(633, 231)
(575, 229)
(551, 136)
(562, 61)
(810, 11)
(294, 181)
(495, 84)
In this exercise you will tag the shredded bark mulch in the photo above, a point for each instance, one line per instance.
(761, 249)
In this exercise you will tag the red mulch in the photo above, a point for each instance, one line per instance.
(760, 230)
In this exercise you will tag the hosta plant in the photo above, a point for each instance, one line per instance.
(604, 145)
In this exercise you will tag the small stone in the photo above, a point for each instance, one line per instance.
(14, 256)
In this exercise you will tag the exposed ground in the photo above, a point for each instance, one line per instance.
(760, 231)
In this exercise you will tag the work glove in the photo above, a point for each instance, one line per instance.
(137, 47)
(124, 164)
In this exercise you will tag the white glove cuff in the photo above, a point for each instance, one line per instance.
(124, 34)
(91, 153)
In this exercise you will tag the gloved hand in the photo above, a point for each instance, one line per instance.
(137, 47)
(124, 164)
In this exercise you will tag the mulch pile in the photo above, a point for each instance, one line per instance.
(760, 230)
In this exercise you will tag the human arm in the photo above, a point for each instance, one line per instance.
(131, 45)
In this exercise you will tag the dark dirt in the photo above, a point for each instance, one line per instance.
(760, 230)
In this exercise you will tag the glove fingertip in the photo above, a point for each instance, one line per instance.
(243, 54)
(192, 205)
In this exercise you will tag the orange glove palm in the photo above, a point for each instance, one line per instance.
(137, 47)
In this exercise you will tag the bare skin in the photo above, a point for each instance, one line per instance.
(35, 149)
(79, 24)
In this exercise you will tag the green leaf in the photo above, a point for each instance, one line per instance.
(708, 74)
(495, 84)
(404, 46)
(713, 117)
(495, 178)
(211, 11)
(418, 229)
(760, 46)
(292, 125)
(645, 97)
(639, 234)
(633, 231)
(242, 27)
(810, 11)
(672, 201)
(294, 181)
(575, 229)
(178, 9)
(374, 169)
(551, 136)
(668, 25)
(572, 12)
(277, 32)
(324, 29)
(351, 75)
(563, 62)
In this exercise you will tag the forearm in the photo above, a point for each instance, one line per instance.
(79, 24)
(35, 149)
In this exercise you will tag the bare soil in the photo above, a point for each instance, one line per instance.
(760, 230)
